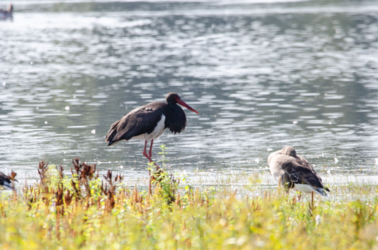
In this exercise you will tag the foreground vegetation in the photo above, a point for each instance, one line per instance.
(81, 211)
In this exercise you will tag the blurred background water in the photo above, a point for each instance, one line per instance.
(262, 74)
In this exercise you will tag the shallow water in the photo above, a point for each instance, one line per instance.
(262, 75)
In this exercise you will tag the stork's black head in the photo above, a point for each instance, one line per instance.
(288, 150)
(173, 98)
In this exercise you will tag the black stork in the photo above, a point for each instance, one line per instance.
(6, 181)
(148, 122)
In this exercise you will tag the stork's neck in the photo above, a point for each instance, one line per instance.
(173, 105)
(175, 118)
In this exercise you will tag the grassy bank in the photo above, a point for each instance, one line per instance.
(84, 211)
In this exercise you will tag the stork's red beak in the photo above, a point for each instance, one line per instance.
(182, 103)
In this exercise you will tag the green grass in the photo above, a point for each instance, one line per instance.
(82, 212)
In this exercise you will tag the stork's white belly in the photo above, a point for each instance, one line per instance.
(304, 188)
(156, 133)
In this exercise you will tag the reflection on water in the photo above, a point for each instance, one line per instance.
(261, 75)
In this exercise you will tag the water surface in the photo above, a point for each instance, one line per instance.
(262, 74)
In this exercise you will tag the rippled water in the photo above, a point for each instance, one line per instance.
(262, 74)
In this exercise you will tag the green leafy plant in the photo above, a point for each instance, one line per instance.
(58, 212)
(163, 154)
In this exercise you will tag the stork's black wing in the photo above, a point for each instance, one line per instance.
(138, 121)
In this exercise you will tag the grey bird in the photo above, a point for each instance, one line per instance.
(292, 171)
(6, 181)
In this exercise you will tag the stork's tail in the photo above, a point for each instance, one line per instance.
(111, 133)
(321, 191)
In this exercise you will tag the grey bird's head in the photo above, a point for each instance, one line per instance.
(288, 150)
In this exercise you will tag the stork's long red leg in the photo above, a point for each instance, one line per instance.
(148, 156)
(150, 153)
(145, 152)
